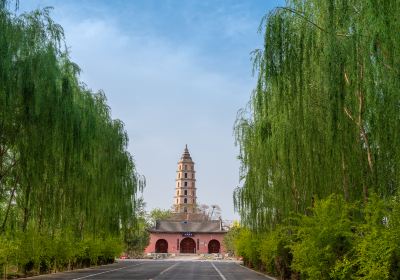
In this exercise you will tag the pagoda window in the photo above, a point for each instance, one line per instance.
(185, 209)
(185, 200)
(185, 184)
(185, 175)
(185, 192)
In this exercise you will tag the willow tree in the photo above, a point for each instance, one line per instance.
(64, 164)
(324, 117)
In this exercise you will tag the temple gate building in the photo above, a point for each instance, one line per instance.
(187, 231)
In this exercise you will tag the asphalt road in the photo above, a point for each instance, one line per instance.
(161, 269)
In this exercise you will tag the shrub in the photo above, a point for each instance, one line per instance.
(275, 253)
(230, 237)
(247, 246)
(110, 248)
(376, 247)
(322, 238)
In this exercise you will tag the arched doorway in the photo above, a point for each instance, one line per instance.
(161, 246)
(188, 246)
(213, 247)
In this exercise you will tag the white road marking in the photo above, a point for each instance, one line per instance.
(106, 271)
(260, 273)
(219, 272)
(165, 270)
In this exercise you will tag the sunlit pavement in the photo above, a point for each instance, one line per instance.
(162, 269)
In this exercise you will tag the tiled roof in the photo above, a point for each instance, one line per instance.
(188, 226)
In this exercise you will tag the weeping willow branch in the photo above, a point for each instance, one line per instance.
(58, 140)
(324, 115)
(301, 15)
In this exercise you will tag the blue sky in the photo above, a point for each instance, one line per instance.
(175, 72)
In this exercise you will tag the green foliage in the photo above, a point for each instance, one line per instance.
(230, 237)
(319, 140)
(267, 252)
(323, 117)
(375, 254)
(34, 252)
(322, 238)
(158, 214)
(137, 239)
(136, 236)
(66, 176)
(374, 245)
(8, 251)
(275, 255)
(247, 246)
(335, 240)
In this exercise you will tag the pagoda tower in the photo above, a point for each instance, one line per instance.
(185, 188)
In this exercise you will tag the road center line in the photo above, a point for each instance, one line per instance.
(165, 270)
(106, 271)
(219, 272)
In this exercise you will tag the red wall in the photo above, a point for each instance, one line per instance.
(171, 238)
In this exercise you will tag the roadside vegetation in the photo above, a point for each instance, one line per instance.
(68, 185)
(319, 144)
(138, 237)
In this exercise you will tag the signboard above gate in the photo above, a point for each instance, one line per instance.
(188, 234)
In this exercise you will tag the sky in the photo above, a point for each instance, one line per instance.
(176, 72)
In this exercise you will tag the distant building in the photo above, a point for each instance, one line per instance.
(187, 231)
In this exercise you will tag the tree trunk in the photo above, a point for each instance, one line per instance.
(3, 225)
(26, 208)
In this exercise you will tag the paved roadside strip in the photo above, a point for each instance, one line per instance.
(219, 272)
(108, 271)
(235, 271)
(165, 270)
(70, 273)
(162, 270)
(259, 273)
